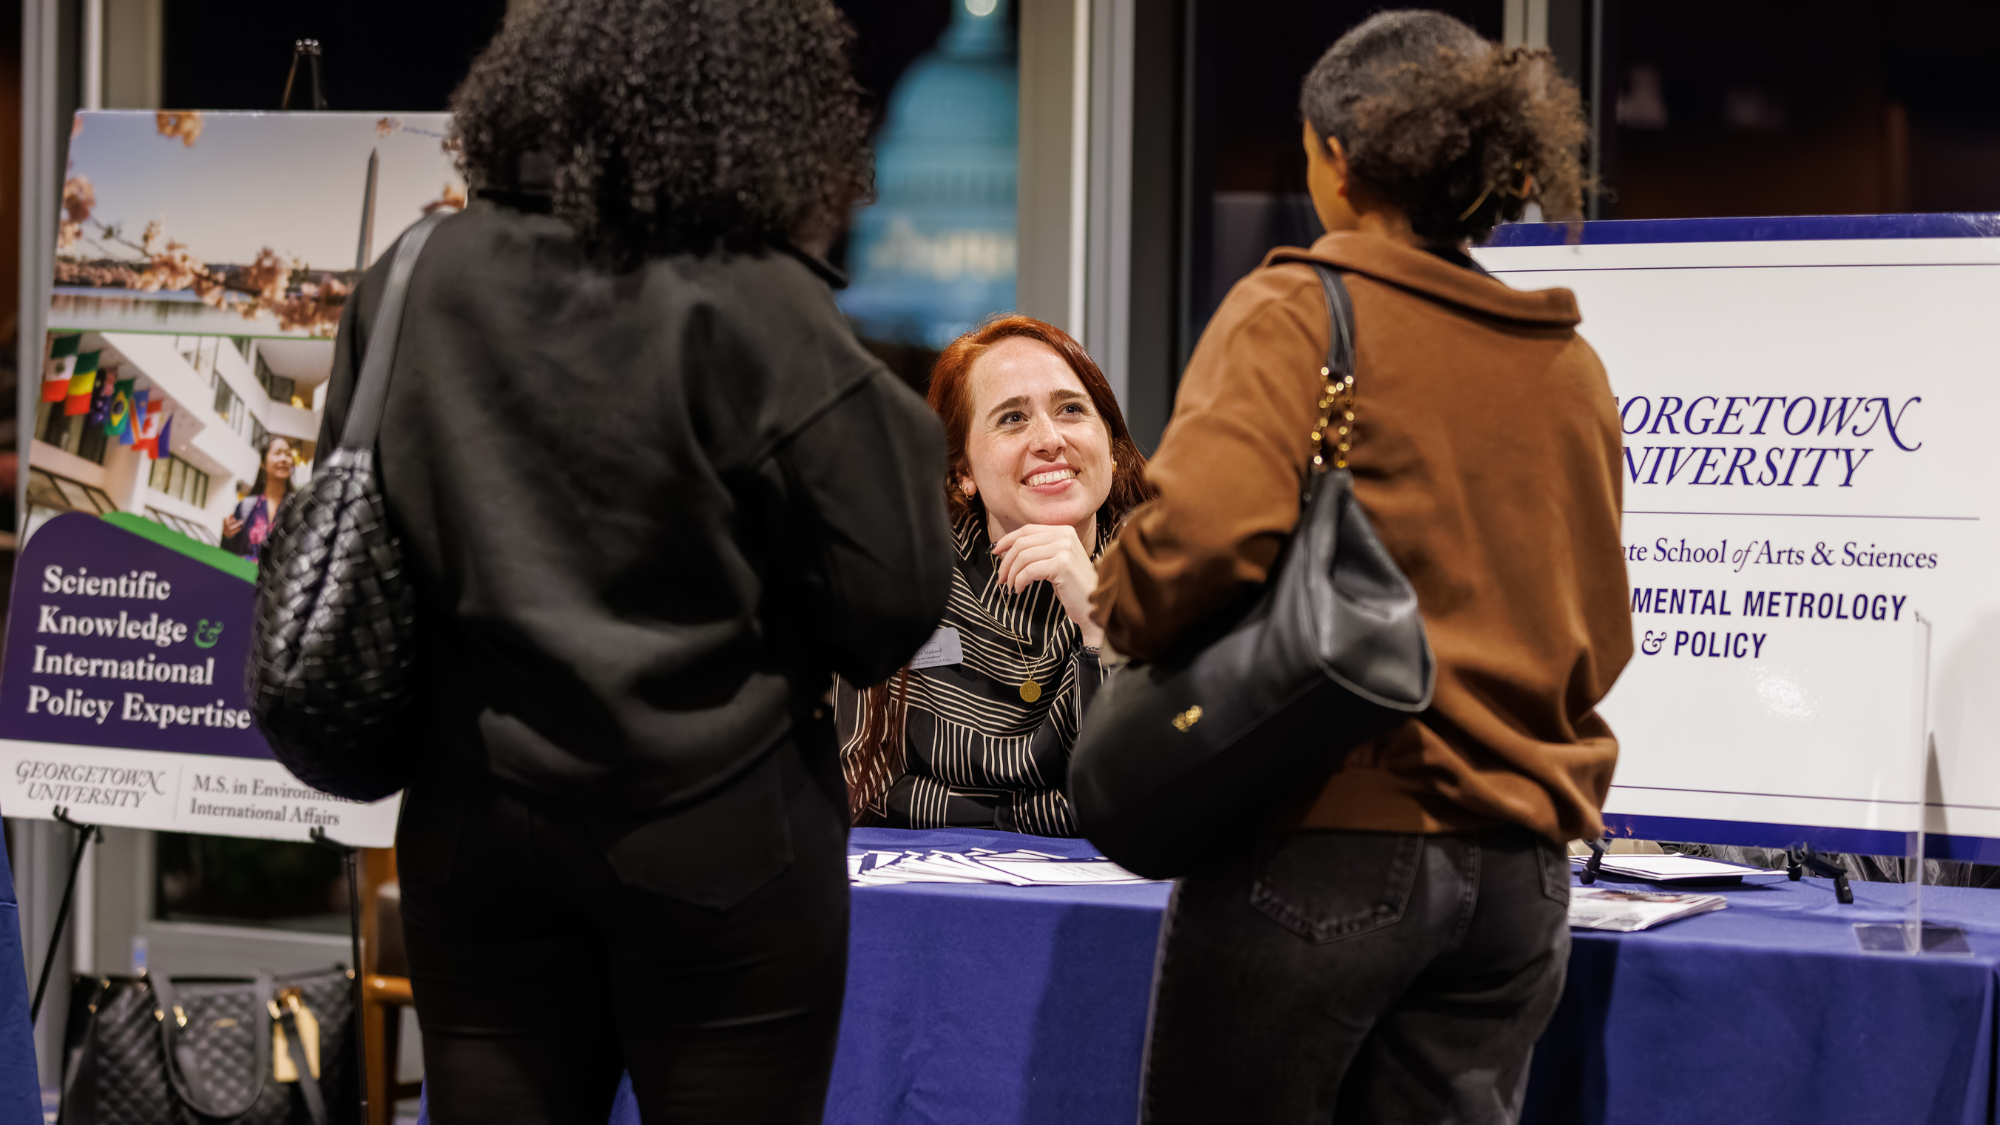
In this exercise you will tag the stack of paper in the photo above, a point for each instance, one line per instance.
(982, 865)
(1600, 908)
(1674, 868)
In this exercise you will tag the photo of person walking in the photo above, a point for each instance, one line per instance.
(244, 530)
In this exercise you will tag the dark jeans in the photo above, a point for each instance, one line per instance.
(1358, 977)
(552, 946)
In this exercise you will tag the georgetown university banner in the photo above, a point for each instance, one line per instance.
(1809, 411)
(203, 263)
(122, 694)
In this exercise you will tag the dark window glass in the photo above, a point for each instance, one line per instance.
(277, 386)
(1715, 109)
(69, 433)
(234, 54)
(248, 882)
(90, 444)
(180, 480)
(1247, 172)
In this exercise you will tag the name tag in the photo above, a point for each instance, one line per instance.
(943, 648)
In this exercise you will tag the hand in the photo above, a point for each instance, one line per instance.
(1040, 552)
(231, 526)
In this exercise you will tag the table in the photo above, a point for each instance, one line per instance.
(975, 1005)
(969, 1005)
(1767, 1012)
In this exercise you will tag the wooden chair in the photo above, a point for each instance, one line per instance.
(385, 984)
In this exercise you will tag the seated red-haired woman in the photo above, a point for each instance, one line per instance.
(976, 731)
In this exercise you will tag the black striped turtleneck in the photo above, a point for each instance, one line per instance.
(976, 753)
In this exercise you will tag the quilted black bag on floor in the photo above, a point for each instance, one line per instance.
(333, 658)
(203, 1051)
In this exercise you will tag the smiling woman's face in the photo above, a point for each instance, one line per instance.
(278, 460)
(1038, 450)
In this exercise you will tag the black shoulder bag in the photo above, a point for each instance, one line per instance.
(333, 659)
(1192, 755)
(260, 1051)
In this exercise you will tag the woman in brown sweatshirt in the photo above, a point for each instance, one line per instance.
(1394, 949)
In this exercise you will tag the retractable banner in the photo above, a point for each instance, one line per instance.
(1808, 406)
(203, 264)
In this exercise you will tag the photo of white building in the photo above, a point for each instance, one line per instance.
(206, 259)
(226, 396)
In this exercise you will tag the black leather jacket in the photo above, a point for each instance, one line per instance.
(650, 510)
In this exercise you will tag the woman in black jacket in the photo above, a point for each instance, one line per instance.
(654, 495)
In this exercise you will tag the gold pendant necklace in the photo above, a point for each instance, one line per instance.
(1031, 689)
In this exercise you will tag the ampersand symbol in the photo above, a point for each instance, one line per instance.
(206, 634)
(1650, 644)
(1821, 555)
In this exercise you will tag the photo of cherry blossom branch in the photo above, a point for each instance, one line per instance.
(179, 210)
(299, 298)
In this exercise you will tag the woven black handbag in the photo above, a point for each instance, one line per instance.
(202, 1051)
(333, 659)
(1190, 756)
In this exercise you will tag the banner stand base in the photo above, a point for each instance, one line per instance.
(350, 856)
(1894, 937)
(84, 834)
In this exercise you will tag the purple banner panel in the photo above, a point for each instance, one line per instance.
(115, 640)
(122, 693)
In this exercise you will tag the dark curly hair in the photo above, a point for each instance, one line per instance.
(1457, 133)
(659, 126)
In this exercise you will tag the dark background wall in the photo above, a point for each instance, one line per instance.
(389, 55)
(1842, 107)
(378, 54)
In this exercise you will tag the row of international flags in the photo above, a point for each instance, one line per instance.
(133, 416)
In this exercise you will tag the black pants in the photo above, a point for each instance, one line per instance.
(552, 946)
(1358, 977)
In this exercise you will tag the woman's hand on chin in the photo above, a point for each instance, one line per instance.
(1039, 552)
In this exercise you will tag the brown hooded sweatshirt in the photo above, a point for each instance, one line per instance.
(1486, 455)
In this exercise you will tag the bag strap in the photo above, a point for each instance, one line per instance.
(80, 1063)
(1335, 426)
(192, 1087)
(308, 1085)
(371, 387)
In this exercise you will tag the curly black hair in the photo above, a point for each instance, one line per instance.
(1457, 133)
(661, 126)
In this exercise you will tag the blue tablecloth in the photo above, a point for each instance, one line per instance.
(974, 1005)
(1767, 1012)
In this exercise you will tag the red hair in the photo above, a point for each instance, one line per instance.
(951, 397)
(878, 758)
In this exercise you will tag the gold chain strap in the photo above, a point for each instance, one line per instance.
(1337, 397)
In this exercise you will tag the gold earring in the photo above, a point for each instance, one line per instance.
(966, 486)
